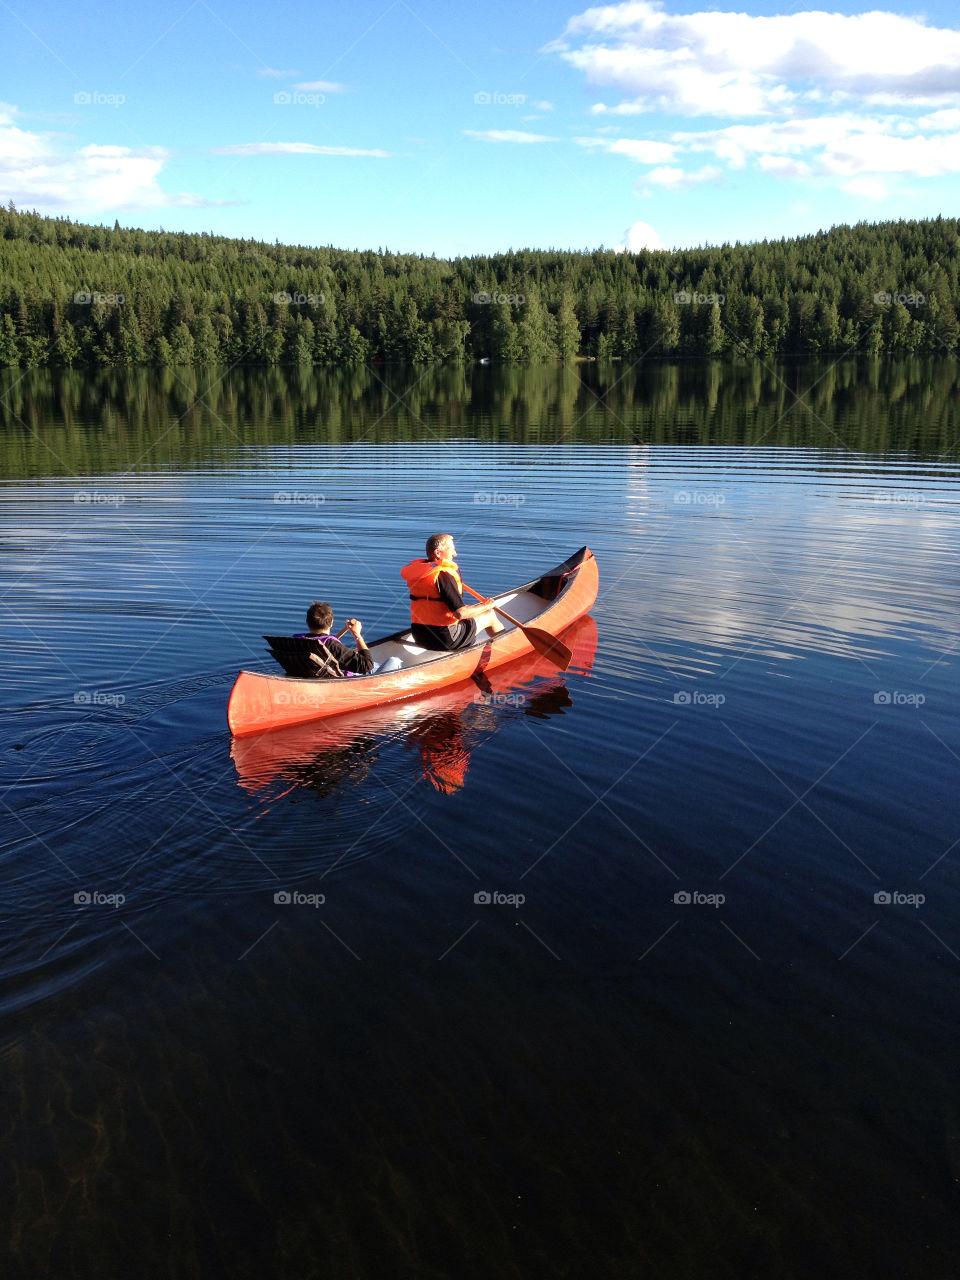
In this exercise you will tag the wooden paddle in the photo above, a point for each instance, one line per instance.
(544, 643)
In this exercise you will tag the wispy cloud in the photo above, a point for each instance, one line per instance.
(277, 74)
(296, 149)
(322, 86)
(507, 135)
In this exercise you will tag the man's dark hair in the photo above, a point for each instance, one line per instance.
(319, 616)
(433, 542)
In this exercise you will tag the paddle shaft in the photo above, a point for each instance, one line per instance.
(544, 643)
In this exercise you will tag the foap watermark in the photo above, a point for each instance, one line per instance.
(94, 98)
(884, 299)
(94, 498)
(494, 498)
(685, 299)
(96, 698)
(484, 299)
(694, 897)
(502, 700)
(84, 299)
(298, 498)
(284, 299)
(294, 898)
(698, 498)
(296, 697)
(697, 698)
(888, 898)
(297, 98)
(484, 98)
(487, 897)
(898, 698)
(83, 898)
(899, 498)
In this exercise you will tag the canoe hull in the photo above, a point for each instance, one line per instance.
(259, 702)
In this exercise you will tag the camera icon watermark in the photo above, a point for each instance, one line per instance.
(94, 698)
(94, 98)
(82, 898)
(297, 98)
(886, 898)
(486, 498)
(284, 299)
(484, 299)
(698, 698)
(298, 498)
(686, 898)
(897, 698)
(884, 299)
(82, 298)
(88, 497)
(484, 98)
(502, 699)
(286, 898)
(685, 299)
(698, 498)
(486, 897)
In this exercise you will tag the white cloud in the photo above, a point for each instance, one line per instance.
(839, 146)
(784, 167)
(507, 135)
(276, 74)
(642, 150)
(322, 86)
(294, 149)
(544, 106)
(640, 236)
(673, 178)
(716, 63)
(948, 119)
(43, 170)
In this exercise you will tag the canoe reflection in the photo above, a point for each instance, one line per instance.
(439, 730)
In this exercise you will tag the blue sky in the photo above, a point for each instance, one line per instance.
(456, 128)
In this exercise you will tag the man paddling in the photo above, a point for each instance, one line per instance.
(439, 618)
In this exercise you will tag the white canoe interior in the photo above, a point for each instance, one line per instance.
(524, 605)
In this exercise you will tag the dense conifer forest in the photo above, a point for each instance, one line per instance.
(78, 295)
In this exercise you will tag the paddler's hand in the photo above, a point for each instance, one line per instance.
(356, 626)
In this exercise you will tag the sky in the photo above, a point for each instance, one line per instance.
(455, 127)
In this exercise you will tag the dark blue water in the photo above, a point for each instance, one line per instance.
(256, 1018)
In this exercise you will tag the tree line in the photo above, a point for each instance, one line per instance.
(74, 295)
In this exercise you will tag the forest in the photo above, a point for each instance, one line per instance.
(76, 295)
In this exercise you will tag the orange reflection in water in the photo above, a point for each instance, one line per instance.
(441, 729)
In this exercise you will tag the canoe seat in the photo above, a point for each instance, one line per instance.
(293, 654)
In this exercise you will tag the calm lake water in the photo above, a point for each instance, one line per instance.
(256, 1021)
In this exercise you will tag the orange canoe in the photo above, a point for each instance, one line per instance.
(551, 603)
(440, 728)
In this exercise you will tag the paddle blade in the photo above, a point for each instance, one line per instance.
(549, 646)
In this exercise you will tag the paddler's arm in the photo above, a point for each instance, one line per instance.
(451, 597)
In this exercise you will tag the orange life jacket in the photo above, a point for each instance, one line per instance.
(426, 606)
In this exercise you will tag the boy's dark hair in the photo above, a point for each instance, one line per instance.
(433, 542)
(319, 616)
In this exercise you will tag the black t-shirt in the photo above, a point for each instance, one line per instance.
(357, 660)
(457, 636)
